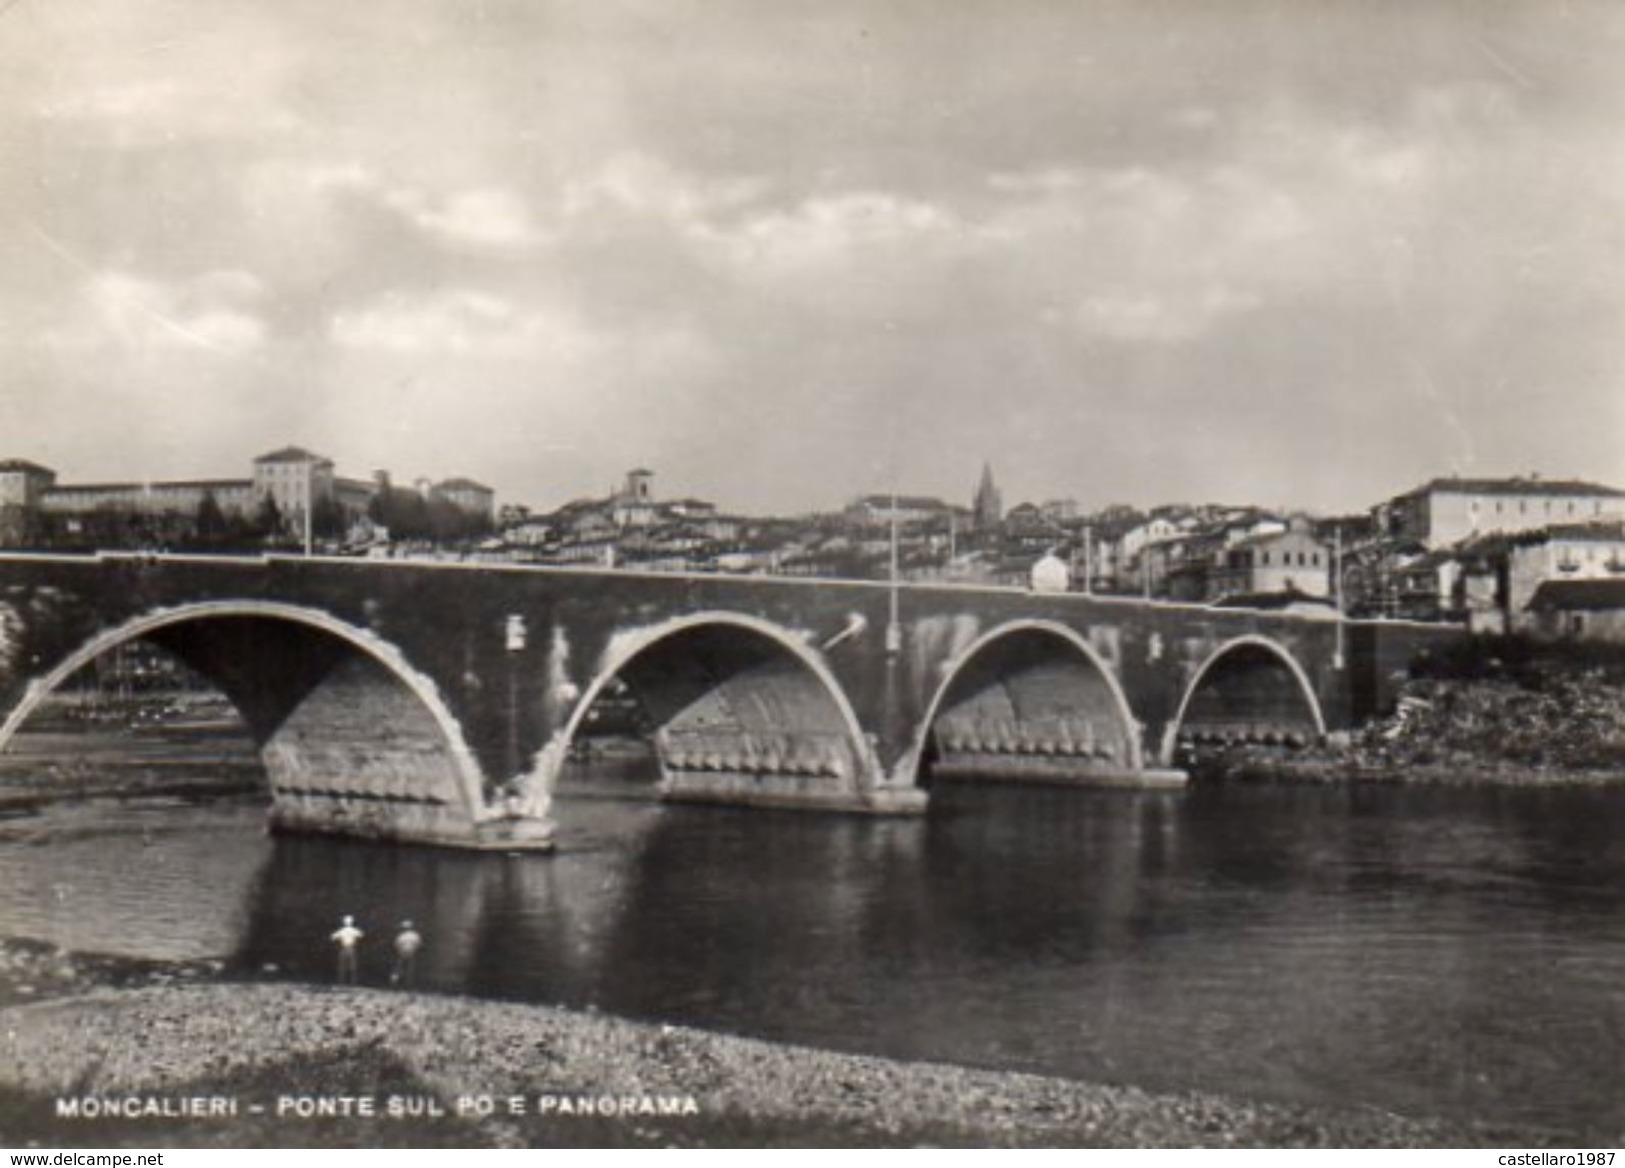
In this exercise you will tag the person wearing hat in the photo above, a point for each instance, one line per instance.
(346, 938)
(407, 943)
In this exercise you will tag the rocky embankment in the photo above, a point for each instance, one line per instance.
(264, 1045)
(1558, 728)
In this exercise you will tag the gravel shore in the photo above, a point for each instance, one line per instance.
(254, 1044)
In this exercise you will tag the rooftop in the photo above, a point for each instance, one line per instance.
(1611, 532)
(22, 465)
(1115, 527)
(291, 454)
(1268, 538)
(1518, 485)
(1273, 601)
(902, 502)
(1499, 543)
(155, 485)
(1579, 596)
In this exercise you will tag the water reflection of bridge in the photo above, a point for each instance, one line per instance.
(438, 702)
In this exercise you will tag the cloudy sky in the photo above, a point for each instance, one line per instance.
(788, 251)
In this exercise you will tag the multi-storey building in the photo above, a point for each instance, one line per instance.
(467, 496)
(1284, 561)
(184, 497)
(1564, 552)
(1446, 511)
(1579, 610)
(295, 480)
(22, 483)
(903, 508)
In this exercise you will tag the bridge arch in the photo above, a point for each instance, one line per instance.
(211, 635)
(743, 708)
(1256, 687)
(1060, 701)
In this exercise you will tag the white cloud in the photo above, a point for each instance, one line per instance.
(212, 311)
(1300, 207)
(324, 177)
(147, 99)
(1165, 319)
(644, 184)
(464, 321)
(485, 217)
(825, 231)
(127, 76)
(1194, 118)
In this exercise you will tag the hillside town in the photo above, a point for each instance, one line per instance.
(1523, 554)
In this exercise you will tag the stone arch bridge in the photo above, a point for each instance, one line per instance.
(436, 702)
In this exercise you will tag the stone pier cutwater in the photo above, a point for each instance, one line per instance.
(812, 770)
(1054, 751)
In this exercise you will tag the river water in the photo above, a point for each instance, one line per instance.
(1428, 951)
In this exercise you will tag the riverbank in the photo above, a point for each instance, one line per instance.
(1531, 728)
(32, 971)
(41, 768)
(579, 1079)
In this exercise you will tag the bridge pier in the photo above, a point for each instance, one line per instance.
(816, 770)
(362, 753)
(319, 814)
(748, 789)
(1051, 772)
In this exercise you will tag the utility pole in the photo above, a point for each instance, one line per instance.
(514, 637)
(1337, 592)
(894, 630)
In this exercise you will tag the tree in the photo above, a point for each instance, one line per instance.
(209, 525)
(14, 525)
(403, 512)
(327, 518)
(268, 518)
(378, 504)
(512, 515)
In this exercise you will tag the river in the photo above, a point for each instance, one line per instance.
(1425, 950)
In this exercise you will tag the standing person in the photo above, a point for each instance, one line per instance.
(407, 943)
(346, 938)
